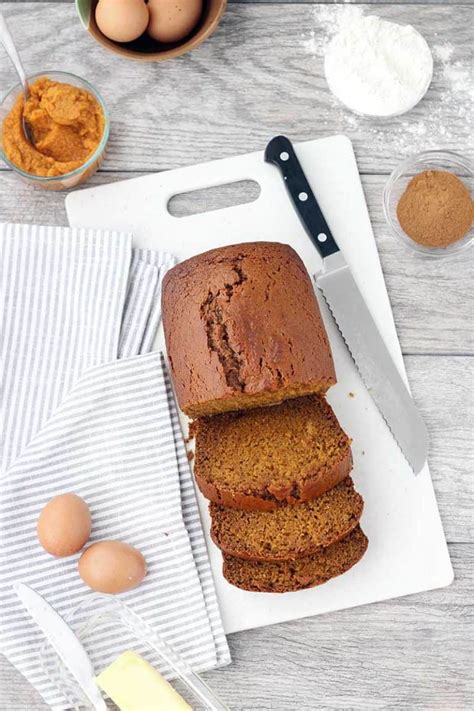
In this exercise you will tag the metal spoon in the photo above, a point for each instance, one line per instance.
(7, 40)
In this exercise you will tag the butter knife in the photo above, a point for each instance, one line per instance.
(352, 316)
(64, 642)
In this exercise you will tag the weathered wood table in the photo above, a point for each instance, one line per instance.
(261, 74)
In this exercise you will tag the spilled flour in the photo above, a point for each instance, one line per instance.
(438, 120)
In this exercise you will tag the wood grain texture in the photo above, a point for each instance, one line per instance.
(443, 389)
(261, 74)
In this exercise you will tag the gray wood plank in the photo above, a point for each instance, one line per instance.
(431, 300)
(409, 653)
(260, 74)
(443, 389)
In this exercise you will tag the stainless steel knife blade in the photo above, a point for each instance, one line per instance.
(373, 359)
(352, 316)
(64, 642)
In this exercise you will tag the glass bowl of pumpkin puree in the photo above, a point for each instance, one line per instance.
(70, 126)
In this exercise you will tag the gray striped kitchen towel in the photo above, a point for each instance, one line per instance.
(80, 419)
(142, 313)
(141, 288)
(63, 300)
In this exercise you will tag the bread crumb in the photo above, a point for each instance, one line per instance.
(190, 456)
(191, 432)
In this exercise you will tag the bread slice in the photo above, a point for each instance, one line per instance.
(288, 532)
(259, 459)
(288, 576)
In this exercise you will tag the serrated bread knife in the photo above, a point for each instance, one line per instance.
(351, 313)
(64, 642)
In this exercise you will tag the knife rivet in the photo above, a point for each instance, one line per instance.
(284, 155)
(322, 237)
(303, 197)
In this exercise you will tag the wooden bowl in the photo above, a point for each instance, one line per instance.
(146, 49)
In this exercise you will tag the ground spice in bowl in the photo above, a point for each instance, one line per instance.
(436, 209)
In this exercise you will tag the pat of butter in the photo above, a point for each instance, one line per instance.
(133, 684)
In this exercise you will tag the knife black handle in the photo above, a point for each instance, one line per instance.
(280, 151)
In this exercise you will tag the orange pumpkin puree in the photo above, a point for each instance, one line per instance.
(66, 122)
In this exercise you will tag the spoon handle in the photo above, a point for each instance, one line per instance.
(7, 40)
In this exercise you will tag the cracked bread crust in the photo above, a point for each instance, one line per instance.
(243, 328)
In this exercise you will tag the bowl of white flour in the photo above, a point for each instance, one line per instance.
(378, 68)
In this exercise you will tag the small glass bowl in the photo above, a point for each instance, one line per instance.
(79, 175)
(398, 181)
(102, 617)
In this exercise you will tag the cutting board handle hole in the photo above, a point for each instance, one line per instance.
(214, 198)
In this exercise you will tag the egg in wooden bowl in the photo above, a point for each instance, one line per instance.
(150, 30)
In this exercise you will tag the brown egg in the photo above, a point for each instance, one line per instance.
(122, 20)
(171, 20)
(112, 567)
(64, 525)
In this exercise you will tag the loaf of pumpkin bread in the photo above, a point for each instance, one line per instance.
(243, 329)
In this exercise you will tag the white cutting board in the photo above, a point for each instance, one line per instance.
(407, 549)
